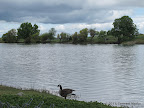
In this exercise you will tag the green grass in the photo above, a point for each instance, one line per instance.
(139, 39)
(129, 43)
(9, 94)
(0, 40)
(99, 40)
(21, 41)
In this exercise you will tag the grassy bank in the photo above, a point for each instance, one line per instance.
(139, 39)
(9, 94)
(0, 40)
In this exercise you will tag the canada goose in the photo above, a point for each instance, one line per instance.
(65, 92)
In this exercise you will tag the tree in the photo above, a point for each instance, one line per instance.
(35, 38)
(75, 38)
(102, 36)
(69, 37)
(97, 33)
(102, 33)
(109, 32)
(50, 37)
(52, 33)
(59, 37)
(63, 36)
(92, 33)
(35, 29)
(44, 37)
(124, 29)
(26, 30)
(83, 35)
(10, 36)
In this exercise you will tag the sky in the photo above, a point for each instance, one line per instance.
(69, 15)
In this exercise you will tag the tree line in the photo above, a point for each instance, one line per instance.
(124, 30)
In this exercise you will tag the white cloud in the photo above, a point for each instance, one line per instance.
(95, 4)
(6, 26)
(113, 14)
(141, 26)
(68, 15)
(60, 28)
(139, 21)
(42, 28)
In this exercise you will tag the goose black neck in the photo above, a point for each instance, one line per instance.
(60, 87)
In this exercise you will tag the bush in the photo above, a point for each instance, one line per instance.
(10, 36)
(44, 37)
(35, 38)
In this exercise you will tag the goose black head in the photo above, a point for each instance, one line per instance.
(60, 86)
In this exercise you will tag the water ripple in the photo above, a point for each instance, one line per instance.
(105, 73)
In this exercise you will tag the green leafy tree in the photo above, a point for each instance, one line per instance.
(75, 38)
(35, 29)
(92, 33)
(109, 32)
(59, 37)
(10, 36)
(69, 38)
(102, 36)
(102, 33)
(124, 29)
(97, 33)
(26, 30)
(50, 37)
(83, 35)
(35, 38)
(44, 37)
(52, 33)
(81, 38)
(63, 36)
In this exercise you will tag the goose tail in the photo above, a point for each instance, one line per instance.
(73, 94)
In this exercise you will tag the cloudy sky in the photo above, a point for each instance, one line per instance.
(69, 15)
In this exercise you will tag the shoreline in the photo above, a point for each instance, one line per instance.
(18, 96)
(128, 43)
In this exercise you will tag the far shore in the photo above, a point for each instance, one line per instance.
(96, 40)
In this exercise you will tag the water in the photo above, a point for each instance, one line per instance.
(111, 74)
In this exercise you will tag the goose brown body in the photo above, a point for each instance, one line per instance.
(65, 92)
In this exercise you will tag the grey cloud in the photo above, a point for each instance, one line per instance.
(62, 11)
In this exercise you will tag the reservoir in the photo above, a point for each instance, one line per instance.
(112, 74)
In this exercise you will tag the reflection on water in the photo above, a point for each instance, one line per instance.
(104, 73)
